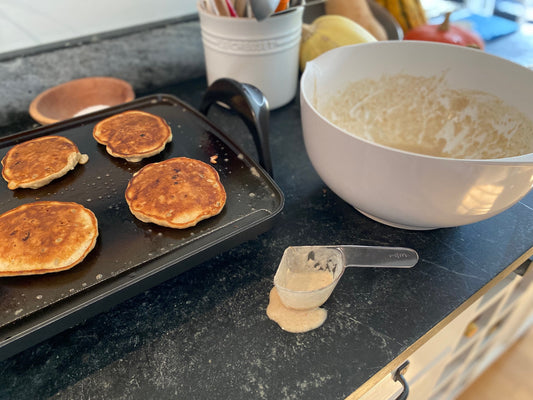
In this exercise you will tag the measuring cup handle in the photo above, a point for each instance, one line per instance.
(379, 257)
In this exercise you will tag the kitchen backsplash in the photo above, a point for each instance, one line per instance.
(148, 58)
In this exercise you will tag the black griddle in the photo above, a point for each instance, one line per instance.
(130, 256)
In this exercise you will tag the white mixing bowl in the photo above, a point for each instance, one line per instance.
(401, 188)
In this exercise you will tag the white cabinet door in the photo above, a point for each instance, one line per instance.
(386, 389)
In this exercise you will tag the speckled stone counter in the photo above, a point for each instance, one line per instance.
(147, 58)
(205, 334)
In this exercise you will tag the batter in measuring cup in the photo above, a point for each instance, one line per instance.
(298, 321)
(294, 321)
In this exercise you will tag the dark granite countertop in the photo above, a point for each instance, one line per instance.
(205, 334)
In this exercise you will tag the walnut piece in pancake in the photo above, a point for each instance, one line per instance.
(37, 162)
(45, 236)
(177, 193)
(133, 135)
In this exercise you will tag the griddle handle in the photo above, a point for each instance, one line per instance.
(250, 105)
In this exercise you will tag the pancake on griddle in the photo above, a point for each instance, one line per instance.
(177, 193)
(133, 135)
(45, 236)
(37, 162)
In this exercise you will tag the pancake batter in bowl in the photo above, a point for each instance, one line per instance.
(424, 115)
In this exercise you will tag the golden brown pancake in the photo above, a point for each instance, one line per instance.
(177, 193)
(37, 162)
(133, 135)
(45, 236)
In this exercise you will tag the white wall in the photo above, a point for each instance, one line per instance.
(28, 23)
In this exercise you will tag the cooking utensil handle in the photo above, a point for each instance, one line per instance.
(250, 105)
(378, 256)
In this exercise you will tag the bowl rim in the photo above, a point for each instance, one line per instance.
(45, 120)
(514, 160)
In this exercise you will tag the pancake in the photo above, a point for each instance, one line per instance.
(37, 162)
(177, 193)
(44, 237)
(133, 135)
